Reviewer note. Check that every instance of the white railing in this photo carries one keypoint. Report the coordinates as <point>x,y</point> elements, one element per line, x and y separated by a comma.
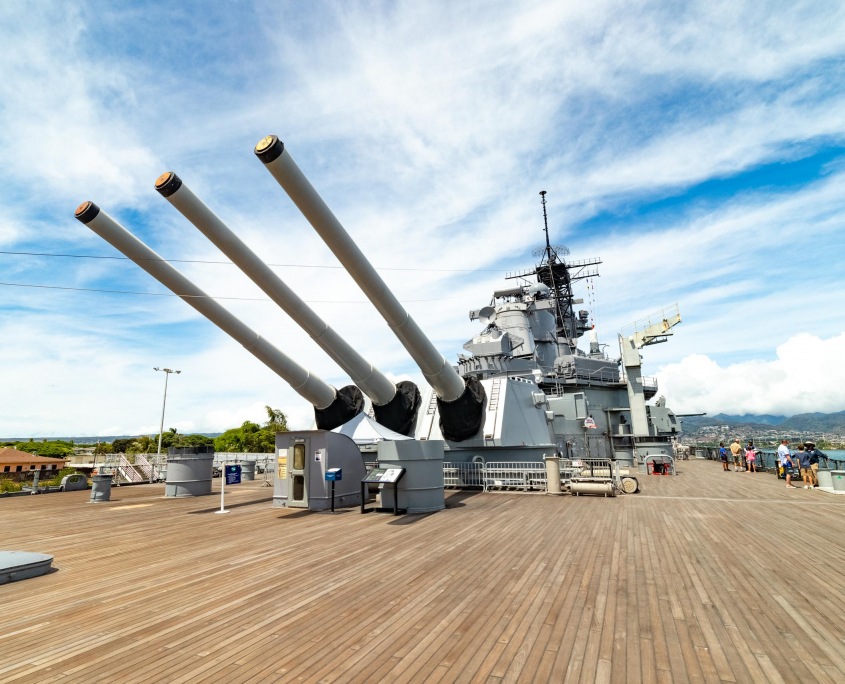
<point>145,466</point>
<point>264,462</point>
<point>126,470</point>
<point>513,475</point>
<point>460,475</point>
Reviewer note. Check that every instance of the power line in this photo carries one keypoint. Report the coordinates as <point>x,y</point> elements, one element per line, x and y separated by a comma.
<point>170,294</point>
<point>229,263</point>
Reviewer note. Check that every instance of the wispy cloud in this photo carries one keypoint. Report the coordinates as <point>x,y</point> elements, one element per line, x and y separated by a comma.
<point>429,129</point>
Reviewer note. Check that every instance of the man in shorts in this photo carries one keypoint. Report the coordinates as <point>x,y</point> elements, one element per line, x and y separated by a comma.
<point>785,459</point>
<point>815,455</point>
<point>736,450</point>
<point>804,462</point>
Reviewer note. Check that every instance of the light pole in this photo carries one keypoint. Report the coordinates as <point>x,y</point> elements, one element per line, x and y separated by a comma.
<point>167,372</point>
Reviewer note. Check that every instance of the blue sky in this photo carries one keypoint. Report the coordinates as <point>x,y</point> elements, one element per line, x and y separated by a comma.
<point>696,148</point>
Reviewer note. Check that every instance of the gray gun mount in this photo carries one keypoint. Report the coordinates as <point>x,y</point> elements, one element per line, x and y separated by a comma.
<point>331,407</point>
<point>395,405</point>
<point>460,401</point>
<point>523,390</point>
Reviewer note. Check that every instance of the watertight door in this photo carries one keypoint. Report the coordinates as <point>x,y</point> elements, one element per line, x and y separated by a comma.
<point>297,475</point>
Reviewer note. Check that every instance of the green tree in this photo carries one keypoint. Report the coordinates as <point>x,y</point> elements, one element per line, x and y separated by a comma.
<point>55,449</point>
<point>251,437</point>
<point>276,420</point>
<point>142,445</point>
<point>192,441</point>
<point>121,446</point>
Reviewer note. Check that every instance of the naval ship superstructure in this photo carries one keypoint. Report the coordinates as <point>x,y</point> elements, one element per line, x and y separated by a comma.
<point>585,404</point>
<point>523,392</point>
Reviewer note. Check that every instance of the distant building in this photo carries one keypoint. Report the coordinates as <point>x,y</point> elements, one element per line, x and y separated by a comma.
<point>18,464</point>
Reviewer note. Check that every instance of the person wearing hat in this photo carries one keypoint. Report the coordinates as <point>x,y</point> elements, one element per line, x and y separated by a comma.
<point>815,455</point>
<point>804,464</point>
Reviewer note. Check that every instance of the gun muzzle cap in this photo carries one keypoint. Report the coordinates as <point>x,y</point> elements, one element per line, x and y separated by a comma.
<point>168,183</point>
<point>269,148</point>
<point>87,212</point>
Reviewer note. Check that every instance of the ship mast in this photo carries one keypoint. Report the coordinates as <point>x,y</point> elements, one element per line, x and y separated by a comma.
<point>558,276</point>
<point>553,272</point>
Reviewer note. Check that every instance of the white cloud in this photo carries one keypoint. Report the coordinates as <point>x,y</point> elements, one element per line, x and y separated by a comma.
<point>806,376</point>
<point>429,129</point>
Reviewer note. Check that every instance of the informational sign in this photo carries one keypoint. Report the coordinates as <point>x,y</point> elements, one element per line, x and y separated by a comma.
<point>589,423</point>
<point>334,474</point>
<point>384,475</point>
<point>392,474</point>
<point>283,466</point>
<point>374,475</point>
<point>233,474</point>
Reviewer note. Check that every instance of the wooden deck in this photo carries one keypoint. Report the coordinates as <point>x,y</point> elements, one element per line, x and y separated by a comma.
<point>704,577</point>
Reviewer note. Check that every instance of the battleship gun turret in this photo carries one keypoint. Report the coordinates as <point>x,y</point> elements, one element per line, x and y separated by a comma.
<point>460,401</point>
<point>395,405</point>
<point>331,407</point>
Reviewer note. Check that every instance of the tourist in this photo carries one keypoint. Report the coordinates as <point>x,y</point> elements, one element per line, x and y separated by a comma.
<point>815,455</point>
<point>804,462</point>
<point>785,459</point>
<point>723,456</point>
<point>736,450</point>
<point>751,456</point>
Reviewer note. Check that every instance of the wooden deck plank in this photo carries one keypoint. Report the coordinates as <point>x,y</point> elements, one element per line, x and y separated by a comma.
<point>703,577</point>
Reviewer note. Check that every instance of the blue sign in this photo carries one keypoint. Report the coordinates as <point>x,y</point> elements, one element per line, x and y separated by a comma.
<point>334,474</point>
<point>233,474</point>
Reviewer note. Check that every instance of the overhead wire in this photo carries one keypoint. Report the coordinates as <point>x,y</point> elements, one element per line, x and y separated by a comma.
<point>223,263</point>
<point>184,296</point>
<point>229,263</point>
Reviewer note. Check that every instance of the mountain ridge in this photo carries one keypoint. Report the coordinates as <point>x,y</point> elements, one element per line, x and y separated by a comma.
<point>802,422</point>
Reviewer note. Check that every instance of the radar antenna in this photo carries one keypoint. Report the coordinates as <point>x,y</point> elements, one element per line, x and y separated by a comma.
<point>552,271</point>
<point>558,275</point>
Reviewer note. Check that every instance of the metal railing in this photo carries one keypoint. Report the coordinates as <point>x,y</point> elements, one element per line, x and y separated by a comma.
<point>145,466</point>
<point>462,475</point>
<point>505,475</point>
<point>127,470</point>
<point>767,460</point>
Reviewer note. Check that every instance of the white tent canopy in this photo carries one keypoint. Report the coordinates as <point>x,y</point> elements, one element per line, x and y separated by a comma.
<point>364,430</point>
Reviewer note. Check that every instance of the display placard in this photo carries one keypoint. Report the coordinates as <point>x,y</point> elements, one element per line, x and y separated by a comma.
<point>384,475</point>
<point>233,474</point>
<point>374,475</point>
<point>392,474</point>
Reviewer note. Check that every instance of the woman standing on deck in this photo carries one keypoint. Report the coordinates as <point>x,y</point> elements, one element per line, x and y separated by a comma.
<point>751,456</point>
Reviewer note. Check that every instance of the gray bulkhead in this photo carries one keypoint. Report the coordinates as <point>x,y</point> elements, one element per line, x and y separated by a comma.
<point>304,457</point>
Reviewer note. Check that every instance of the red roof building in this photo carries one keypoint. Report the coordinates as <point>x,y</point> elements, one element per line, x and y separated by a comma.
<point>17,464</point>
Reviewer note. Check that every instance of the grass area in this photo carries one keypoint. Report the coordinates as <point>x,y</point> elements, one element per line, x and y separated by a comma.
<point>7,484</point>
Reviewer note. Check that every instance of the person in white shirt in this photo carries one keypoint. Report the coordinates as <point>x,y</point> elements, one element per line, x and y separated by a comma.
<point>785,459</point>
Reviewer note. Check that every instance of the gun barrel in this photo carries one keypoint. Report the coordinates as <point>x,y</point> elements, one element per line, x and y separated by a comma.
<point>320,394</point>
<point>371,381</point>
<point>448,385</point>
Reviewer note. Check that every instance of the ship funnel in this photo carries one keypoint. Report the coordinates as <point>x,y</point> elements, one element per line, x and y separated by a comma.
<point>395,407</point>
<point>461,403</point>
<point>331,407</point>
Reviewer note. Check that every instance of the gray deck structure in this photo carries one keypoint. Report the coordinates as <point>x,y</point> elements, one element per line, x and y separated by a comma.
<point>704,577</point>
